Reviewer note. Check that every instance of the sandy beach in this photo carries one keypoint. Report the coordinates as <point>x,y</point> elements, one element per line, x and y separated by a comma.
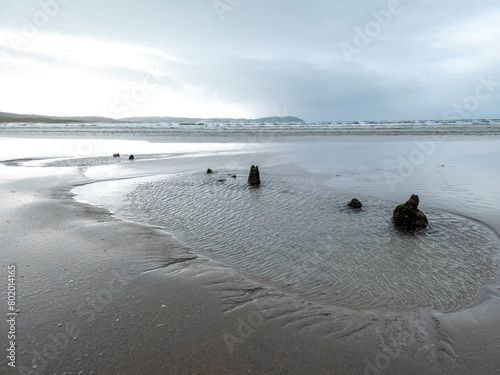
<point>100,295</point>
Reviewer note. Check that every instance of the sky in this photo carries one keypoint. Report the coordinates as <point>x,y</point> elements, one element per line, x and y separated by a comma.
<point>321,61</point>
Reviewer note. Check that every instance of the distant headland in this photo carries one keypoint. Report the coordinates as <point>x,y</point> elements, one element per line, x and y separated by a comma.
<point>14,117</point>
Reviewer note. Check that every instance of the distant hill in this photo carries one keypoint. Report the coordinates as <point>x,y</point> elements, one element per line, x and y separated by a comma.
<point>14,117</point>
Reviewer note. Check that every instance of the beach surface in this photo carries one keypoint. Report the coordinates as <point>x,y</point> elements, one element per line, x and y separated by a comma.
<point>102,294</point>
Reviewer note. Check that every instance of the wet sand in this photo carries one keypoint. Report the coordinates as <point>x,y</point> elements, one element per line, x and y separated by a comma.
<point>103,296</point>
<point>98,295</point>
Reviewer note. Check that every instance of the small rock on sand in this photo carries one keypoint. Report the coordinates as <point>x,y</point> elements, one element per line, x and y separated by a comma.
<point>355,203</point>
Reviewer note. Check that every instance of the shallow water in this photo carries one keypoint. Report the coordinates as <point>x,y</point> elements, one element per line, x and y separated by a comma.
<point>296,233</point>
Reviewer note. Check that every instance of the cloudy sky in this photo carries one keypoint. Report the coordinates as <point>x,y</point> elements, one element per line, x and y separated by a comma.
<point>318,60</point>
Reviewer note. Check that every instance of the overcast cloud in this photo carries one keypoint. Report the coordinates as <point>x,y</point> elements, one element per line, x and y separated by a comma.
<point>321,60</point>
